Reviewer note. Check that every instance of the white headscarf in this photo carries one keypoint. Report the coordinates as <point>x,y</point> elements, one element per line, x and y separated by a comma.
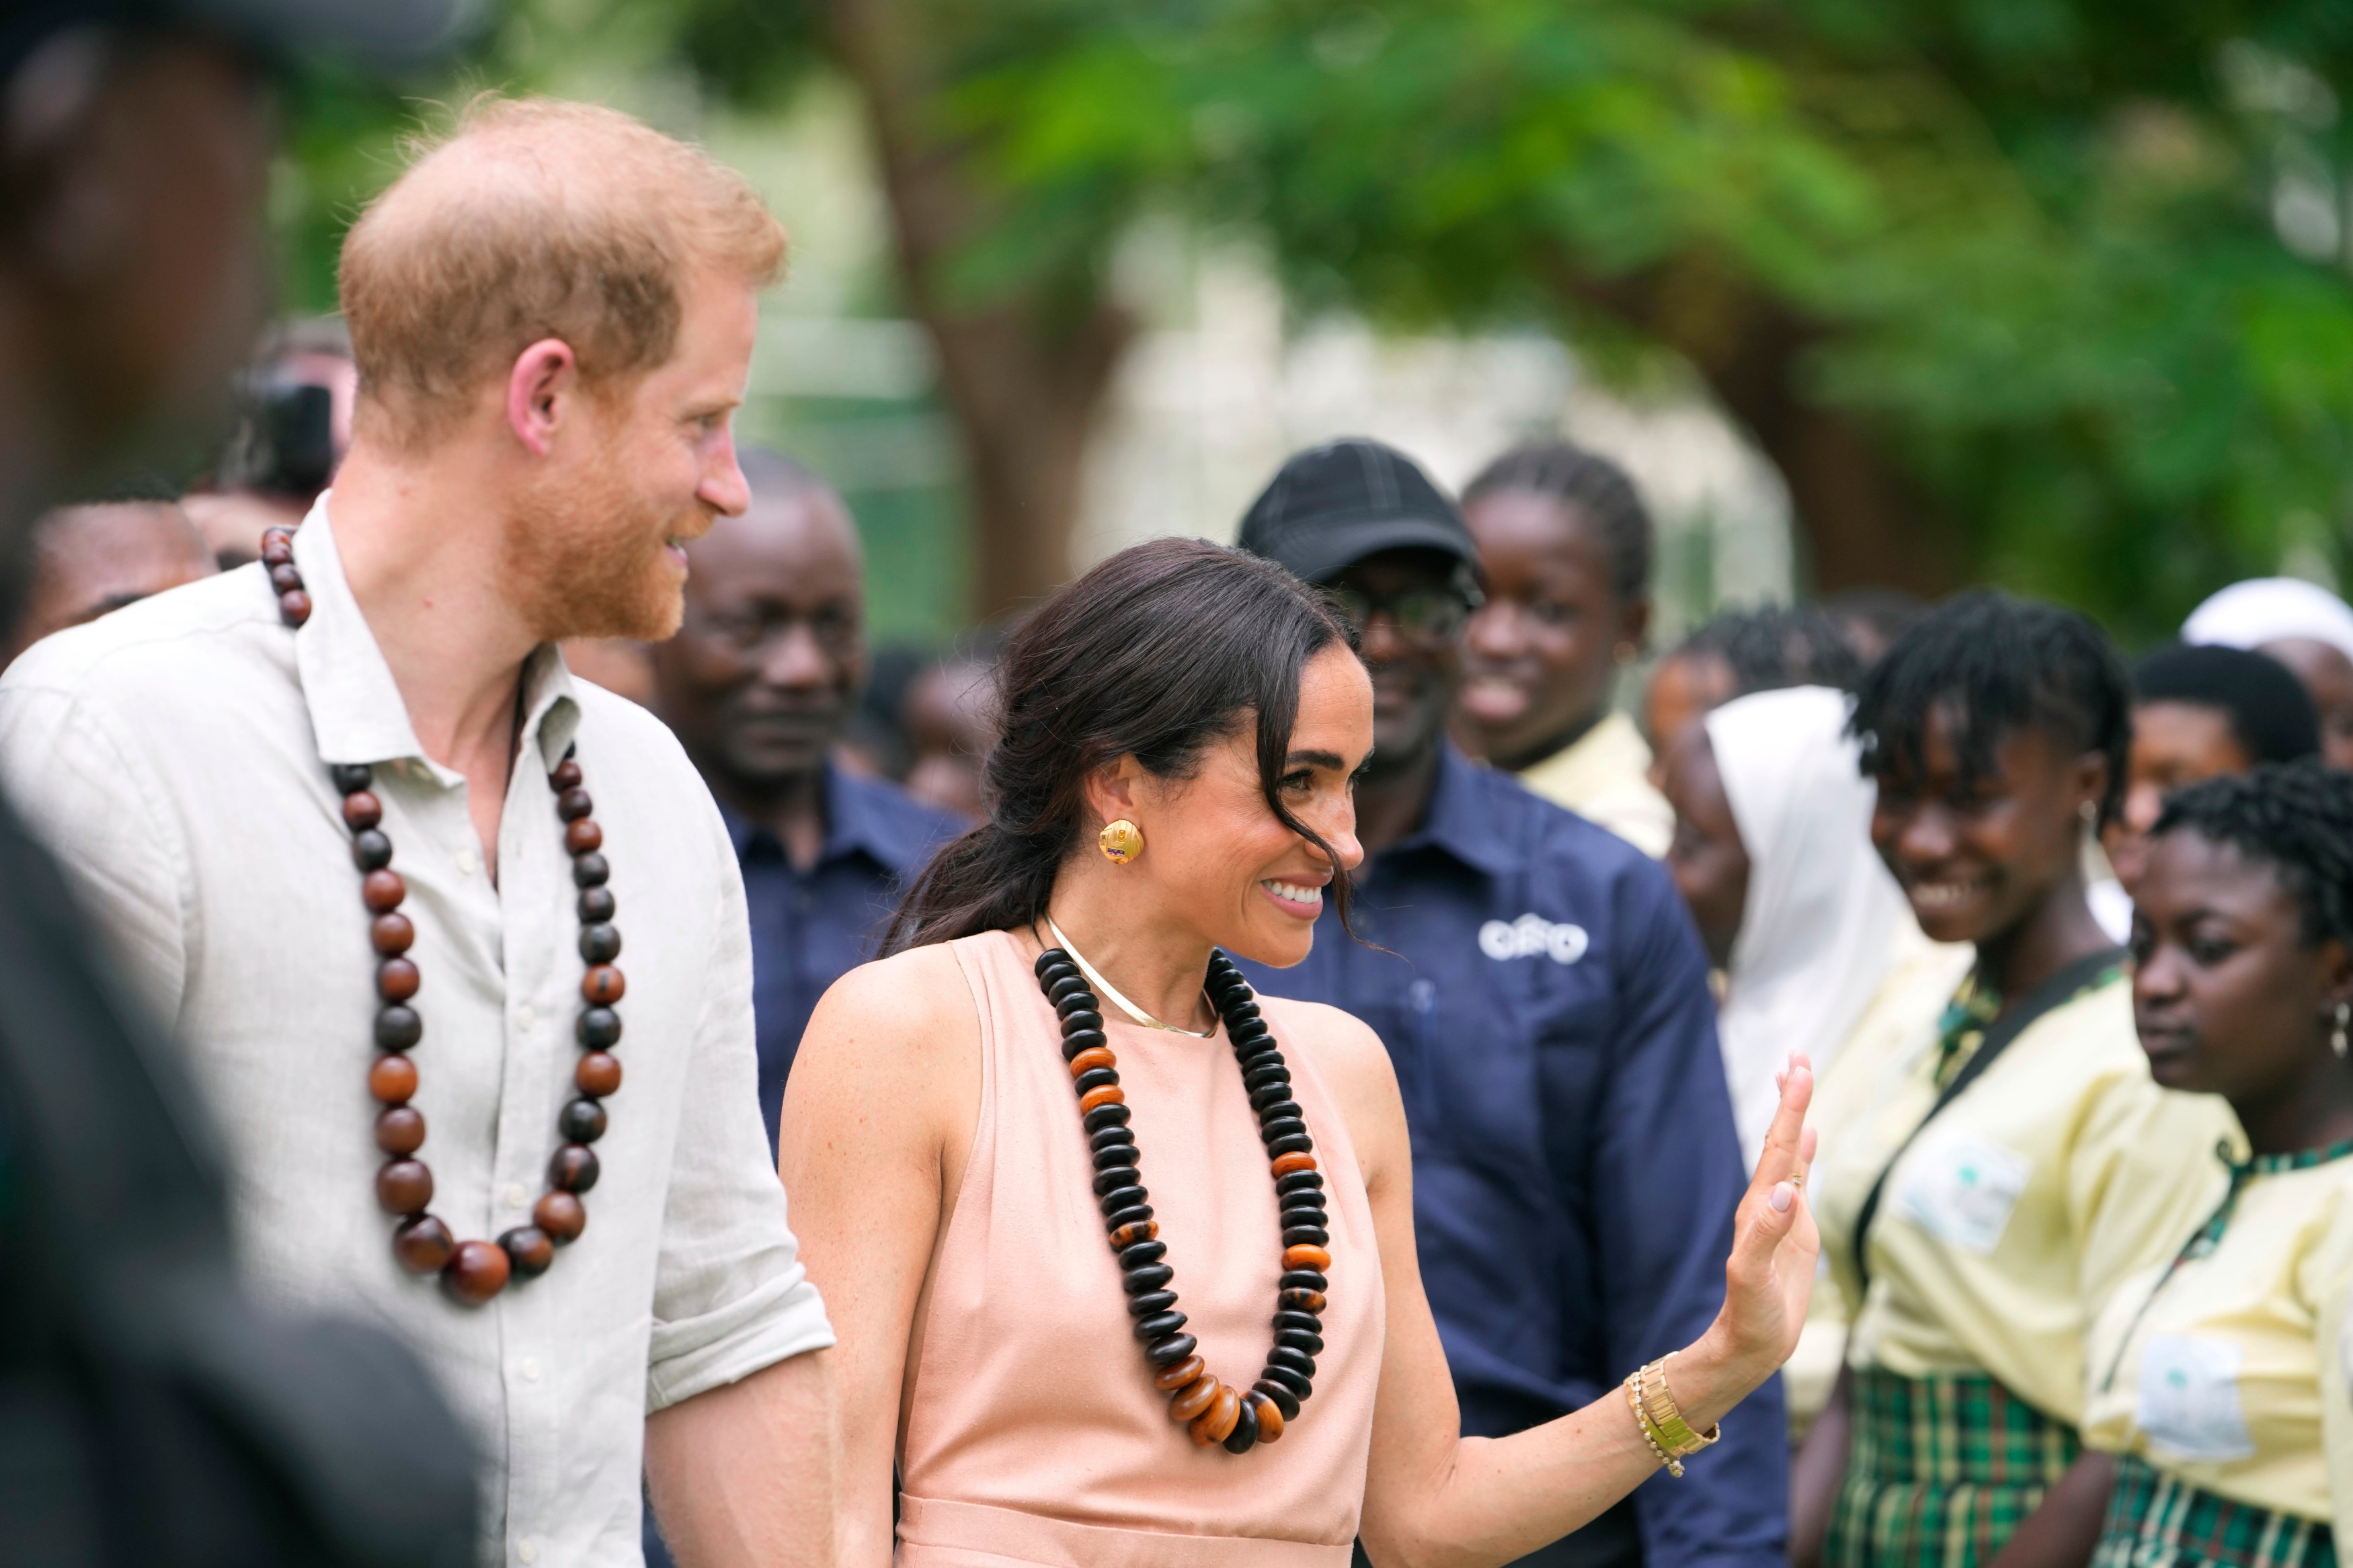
<point>2272,609</point>
<point>1818,931</point>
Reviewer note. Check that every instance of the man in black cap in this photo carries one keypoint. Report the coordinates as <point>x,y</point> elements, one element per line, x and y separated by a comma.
<point>1544,998</point>
<point>149,1414</point>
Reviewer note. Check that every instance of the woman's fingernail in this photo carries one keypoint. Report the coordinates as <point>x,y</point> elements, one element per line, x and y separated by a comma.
<point>1783,1195</point>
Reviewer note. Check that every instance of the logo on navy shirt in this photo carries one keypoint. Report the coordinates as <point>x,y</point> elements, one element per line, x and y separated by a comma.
<point>1533,936</point>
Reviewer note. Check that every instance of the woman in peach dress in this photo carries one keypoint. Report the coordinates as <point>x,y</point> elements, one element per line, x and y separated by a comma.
<point>1120,1257</point>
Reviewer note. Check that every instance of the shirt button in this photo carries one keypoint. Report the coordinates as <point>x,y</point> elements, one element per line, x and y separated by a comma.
<point>526,1017</point>
<point>516,1196</point>
<point>469,862</point>
<point>530,1369</point>
<point>527,1550</point>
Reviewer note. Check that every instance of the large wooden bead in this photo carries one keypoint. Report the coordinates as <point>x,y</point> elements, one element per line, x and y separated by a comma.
<point>294,608</point>
<point>1304,1301</point>
<point>1284,1165</point>
<point>595,904</point>
<point>1269,1414</point>
<point>1303,1280</point>
<point>391,934</point>
<point>397,979</point>
<point>599,1028</point>
<point>573,1169</point>
<point>1158,1326</point>
<point>565,775</point>
<point>1095,1098</point>
<point>362,809</point>
<point>1282,1398</point>
<point>560,1215</point>
<point>1187,1370</point>
<point>400,1129</point>
<point>598,1073</point>
<point>581,1120</point>
<point>276,546</point>
<point>381,891</point>
<point>371,849</point>
<point>1286,1378</point>
<point>1282,1357</point>
<point>530,1249</point>
<point>1129,1234</point>
<point>1150,1302</point>
<point>1304,1256</point>
<point>574,804</point>
<point>1216,1424</point>
<point>604,985</point>
<point>477,1273</point>
<point>397,1028</point>
<point>404,1186</point>
<point>1191,1401</point>
<point>422,1245</point>
<point>284,577</point>
<point>1094,1078</point>
<point>391,1079</point>
<point>1244,1436</point>
<point>1087,1061</point>
<point>600,943</point>
<point>590,870</point>
<point>581,837</point>
<point>349,776</point>
<point>1170,1351</point>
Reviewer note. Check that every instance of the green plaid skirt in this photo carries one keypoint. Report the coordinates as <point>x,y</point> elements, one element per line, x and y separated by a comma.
<point>1940,1471</point>
<point>2157,1521</point>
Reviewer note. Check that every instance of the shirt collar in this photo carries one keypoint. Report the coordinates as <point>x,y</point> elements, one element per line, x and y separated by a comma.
<point>357,714</point>
<point>1461,818</point>
<point>857,821</point>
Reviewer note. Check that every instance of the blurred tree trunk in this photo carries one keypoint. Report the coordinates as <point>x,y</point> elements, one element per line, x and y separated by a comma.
<point>1860,522</point>
<point>1025,369</point>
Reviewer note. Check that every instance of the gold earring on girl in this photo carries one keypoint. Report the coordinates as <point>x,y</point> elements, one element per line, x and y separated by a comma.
<point>1121,841</point>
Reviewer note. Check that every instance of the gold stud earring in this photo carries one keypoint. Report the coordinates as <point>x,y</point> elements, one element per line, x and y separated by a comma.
<point>1121,841</point>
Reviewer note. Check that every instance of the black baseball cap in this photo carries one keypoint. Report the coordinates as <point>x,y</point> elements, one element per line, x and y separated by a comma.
<point>1332,506</point>
<point>381,35</point>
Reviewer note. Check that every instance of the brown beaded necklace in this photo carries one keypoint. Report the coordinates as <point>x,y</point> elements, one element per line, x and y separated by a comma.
<point>1213,1411</point>
<point>472,1271</point>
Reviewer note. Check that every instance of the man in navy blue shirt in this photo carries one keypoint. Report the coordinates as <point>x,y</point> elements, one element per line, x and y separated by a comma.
<point>758,684</point>
<point>1544,1000</point>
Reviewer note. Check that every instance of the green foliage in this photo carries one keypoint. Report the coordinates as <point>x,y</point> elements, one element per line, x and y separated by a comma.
<point>2034,245</point>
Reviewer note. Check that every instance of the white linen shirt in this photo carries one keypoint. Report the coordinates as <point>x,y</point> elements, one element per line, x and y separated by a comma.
<point>175,755</point>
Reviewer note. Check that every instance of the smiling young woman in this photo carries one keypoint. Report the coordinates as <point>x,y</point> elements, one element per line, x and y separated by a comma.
<point>1247,1371</point>
<point>2217,1377</point>
<point>2026,1162</point>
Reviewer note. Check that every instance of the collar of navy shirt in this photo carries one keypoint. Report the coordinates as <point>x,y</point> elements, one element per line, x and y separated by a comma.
<point>1462,819</point>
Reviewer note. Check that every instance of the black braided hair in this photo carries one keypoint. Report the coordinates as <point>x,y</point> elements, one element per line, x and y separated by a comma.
<point>2296,817</point>
<point>1777,646</point>
<point>1592,484</point>
<point>2001,663</point>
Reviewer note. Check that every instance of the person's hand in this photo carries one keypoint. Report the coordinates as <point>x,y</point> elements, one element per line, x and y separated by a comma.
<point>1770,1276</point>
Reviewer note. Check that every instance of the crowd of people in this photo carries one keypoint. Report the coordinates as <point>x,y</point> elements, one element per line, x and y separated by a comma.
<point>1889,1072</point>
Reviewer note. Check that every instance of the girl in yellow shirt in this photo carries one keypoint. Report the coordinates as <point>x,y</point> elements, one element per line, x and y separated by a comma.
<point>2217,1377</point>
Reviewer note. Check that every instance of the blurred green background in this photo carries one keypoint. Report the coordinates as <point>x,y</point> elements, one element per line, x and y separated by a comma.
<point>2055,295</point>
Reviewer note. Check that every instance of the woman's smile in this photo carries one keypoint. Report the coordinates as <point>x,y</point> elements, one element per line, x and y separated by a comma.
<point>1302,900</point>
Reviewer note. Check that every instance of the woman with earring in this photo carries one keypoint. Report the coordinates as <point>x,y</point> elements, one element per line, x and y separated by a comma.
<point>2218,1377</point>
<point>1978,1215</point>
<point>1122,1257</point>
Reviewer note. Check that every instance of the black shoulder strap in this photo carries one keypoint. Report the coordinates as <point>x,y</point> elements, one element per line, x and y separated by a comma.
<point>2060,989</point>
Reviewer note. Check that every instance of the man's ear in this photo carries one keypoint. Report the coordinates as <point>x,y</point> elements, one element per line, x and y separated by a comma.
<point>1113,790</point>
<point>541,387</point>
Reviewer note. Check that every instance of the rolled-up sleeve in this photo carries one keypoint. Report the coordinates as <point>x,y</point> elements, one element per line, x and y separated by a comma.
<point>1667,1183</point>
<point>730,1295</point>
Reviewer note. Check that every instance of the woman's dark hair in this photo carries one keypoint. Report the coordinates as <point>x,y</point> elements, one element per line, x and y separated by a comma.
<point>2270,713</point>
<point>1159,653</point>
<point>2000,663</point>
<point>1590,483</point>
<point>2296,817</point>
<point>1775,646</point>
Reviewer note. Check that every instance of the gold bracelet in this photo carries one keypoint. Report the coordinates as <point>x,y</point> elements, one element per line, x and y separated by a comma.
<point>1675,1435</point>
<point>1642,1422</point>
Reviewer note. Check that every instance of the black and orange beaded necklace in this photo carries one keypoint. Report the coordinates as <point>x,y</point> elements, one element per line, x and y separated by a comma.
<point>1214,1412</point>
<point>472,1271</point>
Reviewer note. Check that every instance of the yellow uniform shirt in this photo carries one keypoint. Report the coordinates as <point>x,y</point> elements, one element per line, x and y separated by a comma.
<point>1879,1064</point>
<point>2226,1368</point>
<point>1605,777</point>
<point>2006,1224</point>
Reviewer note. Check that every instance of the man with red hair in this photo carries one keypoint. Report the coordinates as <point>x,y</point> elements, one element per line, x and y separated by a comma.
<point>369,851</point>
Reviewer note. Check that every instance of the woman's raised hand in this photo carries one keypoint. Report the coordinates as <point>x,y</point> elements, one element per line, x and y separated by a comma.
<point>1770,1275</point>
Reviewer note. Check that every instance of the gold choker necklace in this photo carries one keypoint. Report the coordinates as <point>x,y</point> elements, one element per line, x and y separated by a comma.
<point>1110,993</point>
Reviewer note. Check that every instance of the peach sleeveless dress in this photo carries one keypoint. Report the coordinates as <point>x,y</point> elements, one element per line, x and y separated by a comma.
<point>1033,1435</point>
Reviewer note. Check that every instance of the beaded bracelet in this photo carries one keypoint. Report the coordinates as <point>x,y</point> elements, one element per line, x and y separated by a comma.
<point>1650,1432</point>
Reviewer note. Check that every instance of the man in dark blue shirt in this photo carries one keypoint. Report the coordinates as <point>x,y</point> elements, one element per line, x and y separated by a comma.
<point>758,684</point>
<point>1544,1000</point>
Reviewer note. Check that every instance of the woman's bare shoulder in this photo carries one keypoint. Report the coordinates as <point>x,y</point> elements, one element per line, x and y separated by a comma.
<point>894,1016</point>
<point>1343,1047</point>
